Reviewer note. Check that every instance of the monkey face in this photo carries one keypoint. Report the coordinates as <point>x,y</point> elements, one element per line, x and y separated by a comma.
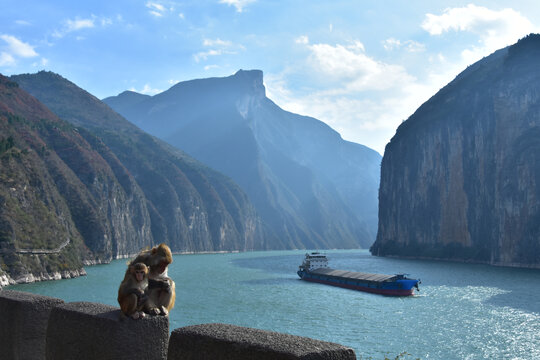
<point>162,266</point>
<point>138,271</point>
<point>139,275</point>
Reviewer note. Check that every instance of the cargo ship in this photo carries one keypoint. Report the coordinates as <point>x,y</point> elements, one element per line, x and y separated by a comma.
<point>315,268</point>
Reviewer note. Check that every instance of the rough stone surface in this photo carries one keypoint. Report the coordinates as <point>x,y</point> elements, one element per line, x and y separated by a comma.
<point>460,180</point>
<point>229,342</point>
<point>23,324</point>
<point>84,330</point>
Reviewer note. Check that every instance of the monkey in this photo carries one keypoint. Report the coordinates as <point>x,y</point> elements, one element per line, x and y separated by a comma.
<point>131,293</point>
<point>161,289</point>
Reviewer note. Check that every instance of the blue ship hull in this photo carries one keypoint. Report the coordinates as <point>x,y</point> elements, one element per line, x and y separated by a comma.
<point>400,286</point>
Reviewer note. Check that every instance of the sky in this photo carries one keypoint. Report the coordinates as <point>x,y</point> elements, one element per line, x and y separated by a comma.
<point>360,66</point>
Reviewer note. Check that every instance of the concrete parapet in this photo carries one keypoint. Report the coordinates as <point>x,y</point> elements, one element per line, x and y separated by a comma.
<point>40,327</point>
<point>23,324</point>
<point>229,342</point>
<point>84,330</point>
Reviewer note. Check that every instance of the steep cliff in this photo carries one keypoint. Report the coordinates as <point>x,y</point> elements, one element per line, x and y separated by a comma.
<point>189,206</point>
<point>460,179</point>
<point>311,188</point>
<point>61,203</point>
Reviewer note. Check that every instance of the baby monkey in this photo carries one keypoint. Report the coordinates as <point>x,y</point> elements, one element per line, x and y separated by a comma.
<point>131,294</point>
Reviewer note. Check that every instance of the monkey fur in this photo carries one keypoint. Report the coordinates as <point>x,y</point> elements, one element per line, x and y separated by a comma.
<point>161,289</point>
<point>132,291</point>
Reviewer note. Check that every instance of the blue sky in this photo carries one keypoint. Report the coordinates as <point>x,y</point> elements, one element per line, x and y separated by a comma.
<point>360,66</point>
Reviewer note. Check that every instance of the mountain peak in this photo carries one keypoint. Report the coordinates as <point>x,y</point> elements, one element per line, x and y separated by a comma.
<point>253,79</point>
<point>256,75</point>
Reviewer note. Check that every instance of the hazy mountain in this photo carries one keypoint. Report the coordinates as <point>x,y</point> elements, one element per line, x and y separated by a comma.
<point>311,188</point>
<point>190,206</point>
<point>461,177</point>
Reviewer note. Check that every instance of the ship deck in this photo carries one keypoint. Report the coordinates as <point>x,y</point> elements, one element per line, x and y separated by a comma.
<point>353,275</point>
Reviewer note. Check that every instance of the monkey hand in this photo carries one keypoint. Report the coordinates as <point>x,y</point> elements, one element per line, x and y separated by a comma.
<point>141,299</point>
<point>159,284</point>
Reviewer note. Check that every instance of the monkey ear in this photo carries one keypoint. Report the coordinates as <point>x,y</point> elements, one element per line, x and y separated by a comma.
<point>154,250</point>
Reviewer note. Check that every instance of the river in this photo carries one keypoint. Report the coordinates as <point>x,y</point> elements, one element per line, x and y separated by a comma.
<point>463,311</point>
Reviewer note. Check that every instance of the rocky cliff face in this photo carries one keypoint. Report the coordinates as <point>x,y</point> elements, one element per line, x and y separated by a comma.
<point>311,188</point>
<point>187,205</point>
<point>56,192</point>
<point>460,180</point>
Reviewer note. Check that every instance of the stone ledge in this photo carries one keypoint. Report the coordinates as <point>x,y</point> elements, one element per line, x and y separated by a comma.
<point>229,342</point>
<point>23,324</point>
<point>85,330</point>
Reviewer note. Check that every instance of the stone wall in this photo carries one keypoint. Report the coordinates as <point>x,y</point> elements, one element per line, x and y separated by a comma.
<point>23,324</point>
<point>229,342</point>
<point>84,330</point>
<point>39,327</point>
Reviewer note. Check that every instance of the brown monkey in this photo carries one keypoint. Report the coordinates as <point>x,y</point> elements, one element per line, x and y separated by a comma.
<point>131,293</point>
<point>161,289</point>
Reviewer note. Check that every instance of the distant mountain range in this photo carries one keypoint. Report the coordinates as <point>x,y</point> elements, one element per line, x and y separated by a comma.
<point>104,185</point>
<point>79,184</point>
<point>460,180</point>
<point>311,188</point>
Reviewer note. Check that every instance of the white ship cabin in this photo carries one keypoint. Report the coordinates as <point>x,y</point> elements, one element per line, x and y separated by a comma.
<point>315,261</point>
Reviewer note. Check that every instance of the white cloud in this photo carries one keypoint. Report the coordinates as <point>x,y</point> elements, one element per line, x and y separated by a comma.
<point>357,116</point>
<point>238,4</point>
<point>470,18</point>
<point>16,47</point>
<point>219,47</point>
<point>409,45</point>
<point>495,28</point>
<point>365,99</point>
<point>204,55</point>
<point>391,44</point>
<point>360,97</point>
<point>78,24</point>
<point>302,40</point>
<point>6,59</point>
<point>43,62</point>
<point>106,21</point>
<point>147,90</point>
<point>349,66</point>
<point>155,6</point>
<point>23,22</point>
<point>12,49</point>
<point>217,42</point>
<point>156,9</point>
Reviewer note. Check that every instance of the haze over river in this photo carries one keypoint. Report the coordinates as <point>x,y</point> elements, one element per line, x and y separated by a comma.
<point>463,311</point>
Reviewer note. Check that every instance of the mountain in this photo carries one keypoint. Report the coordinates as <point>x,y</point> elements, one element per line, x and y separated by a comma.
<point>311,188</point>
<point>460,179</point>
<point>189,206</point>
<point>59,197</point>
